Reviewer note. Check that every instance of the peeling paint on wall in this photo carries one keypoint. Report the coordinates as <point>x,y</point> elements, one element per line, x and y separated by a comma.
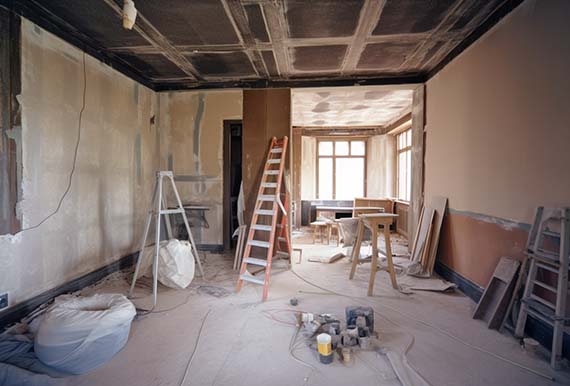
<point>191,130</point>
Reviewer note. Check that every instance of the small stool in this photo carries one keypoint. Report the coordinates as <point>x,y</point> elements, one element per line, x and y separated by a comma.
<point>321,227</point>
<point>333,231</point>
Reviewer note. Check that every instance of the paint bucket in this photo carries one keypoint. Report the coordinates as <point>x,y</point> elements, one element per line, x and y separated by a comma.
<point>324,347</point>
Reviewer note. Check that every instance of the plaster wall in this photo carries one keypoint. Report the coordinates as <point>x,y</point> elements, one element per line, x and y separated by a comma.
<point>308,168</point>
<point>191,143</point>
<point>381,166</point>
<point>102,216</point>
<point>498,130</point>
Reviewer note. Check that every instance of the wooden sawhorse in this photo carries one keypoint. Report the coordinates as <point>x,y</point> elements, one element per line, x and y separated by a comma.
<point>372,221</point>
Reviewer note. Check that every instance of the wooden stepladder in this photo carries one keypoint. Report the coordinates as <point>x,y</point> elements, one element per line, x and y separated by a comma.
<point>267,234</point>
<point>548,256</point>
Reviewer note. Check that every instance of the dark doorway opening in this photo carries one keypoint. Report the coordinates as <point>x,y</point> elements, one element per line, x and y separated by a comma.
<point>232,178</point>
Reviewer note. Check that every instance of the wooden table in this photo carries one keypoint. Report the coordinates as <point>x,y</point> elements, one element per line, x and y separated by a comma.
<point>349,209</point>
<point>372,221</point>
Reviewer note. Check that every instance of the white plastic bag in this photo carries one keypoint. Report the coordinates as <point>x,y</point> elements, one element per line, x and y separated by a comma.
<point>175,263</point>
<point>79,334</point>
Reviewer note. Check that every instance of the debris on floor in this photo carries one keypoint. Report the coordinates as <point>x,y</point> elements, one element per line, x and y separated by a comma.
<point>327,259</point>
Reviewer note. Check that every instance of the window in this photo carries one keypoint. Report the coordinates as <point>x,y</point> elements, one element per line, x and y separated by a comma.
<point>404,146</point>
<point>341,166</point>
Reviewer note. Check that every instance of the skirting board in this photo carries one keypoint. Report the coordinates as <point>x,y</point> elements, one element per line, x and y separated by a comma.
<point>535,328</point>
<point>16,313</point>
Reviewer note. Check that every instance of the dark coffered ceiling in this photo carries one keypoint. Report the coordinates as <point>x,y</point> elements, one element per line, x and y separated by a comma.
<point>180,44</point>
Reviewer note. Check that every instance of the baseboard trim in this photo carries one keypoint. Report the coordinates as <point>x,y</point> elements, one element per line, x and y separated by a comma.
<point>466,286</point>
<point>214,248</point>
<point>16,313</point>
<point>535,328</point>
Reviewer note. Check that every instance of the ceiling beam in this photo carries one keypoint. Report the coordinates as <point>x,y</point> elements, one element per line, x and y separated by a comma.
<point>369,16</point>
<point>159,41</point>
<point>276,24</point>
<point>237,14</point>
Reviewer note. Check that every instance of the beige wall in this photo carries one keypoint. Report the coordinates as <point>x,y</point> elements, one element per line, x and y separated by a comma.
<point>498,129</point>
<point>191,125</point>
<point>381,166</point>
<point>498,117</point>
<point>101,218</point>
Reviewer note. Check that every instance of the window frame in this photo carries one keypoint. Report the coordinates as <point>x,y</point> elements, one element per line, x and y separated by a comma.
<point>334,156</point>
<point>400,150</point>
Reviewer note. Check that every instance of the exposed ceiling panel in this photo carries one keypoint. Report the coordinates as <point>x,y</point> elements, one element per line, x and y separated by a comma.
<point>385,55</point>
<point>233,64</point>
<point>189,22</point>
<point>348,106</point>
<point>396,16</point>
<point>318,58</point>
<point>178,44</point>
<point>322,18</point>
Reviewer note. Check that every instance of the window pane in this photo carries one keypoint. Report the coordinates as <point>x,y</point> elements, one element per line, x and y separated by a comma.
<point>341,148</point>
<point>325,148</point>
<point>349,178</point>
<point>400,141</point>
<point>409,138</point>
<point>402,179</point>
<point>357,148</point>
<point>325,178</point>
<point>408,175</point>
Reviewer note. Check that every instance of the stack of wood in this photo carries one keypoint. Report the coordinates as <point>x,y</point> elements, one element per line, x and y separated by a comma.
<point>424,249</point>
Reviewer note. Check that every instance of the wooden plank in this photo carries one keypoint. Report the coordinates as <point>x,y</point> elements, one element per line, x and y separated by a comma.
<point>439,204</point>
<point>422,235</point>
<point>494,303</point>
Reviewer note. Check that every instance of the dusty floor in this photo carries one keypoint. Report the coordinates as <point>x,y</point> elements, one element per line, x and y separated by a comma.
<point>246,342</point>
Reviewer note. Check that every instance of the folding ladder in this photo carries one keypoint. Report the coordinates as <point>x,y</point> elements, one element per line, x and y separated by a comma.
<point>158,208</point>
<point>263,234</point>
<point>548,254</point>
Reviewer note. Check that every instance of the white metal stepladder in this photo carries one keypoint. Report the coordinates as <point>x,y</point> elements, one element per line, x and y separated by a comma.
<point>158,208</point>
<point>548,253</point>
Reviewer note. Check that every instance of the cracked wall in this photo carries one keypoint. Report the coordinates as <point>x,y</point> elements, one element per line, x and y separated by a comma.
<point>101,218</point>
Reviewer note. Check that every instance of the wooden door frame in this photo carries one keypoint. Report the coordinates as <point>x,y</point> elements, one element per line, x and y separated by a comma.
<point>227,204</point>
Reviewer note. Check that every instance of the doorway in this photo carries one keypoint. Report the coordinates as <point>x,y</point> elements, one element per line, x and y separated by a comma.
<point>232,178</point>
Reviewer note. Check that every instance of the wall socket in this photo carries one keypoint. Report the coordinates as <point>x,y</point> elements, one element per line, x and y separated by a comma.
<point>4,300</point>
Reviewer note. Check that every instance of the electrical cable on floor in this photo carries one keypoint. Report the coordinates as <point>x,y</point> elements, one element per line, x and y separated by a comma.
<point>456,338</point>
<point>195,348</point>
<point>74,165</point>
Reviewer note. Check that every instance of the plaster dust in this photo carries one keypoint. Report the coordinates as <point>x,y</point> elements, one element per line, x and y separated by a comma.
<point>241,345</point>
<point>101,218</point>
<point>191,144</point>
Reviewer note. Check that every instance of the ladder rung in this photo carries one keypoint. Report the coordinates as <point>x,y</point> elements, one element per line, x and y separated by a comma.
<point>545,286</point>
<point>264,212</point>
<point>274,161</point>
<point>171,211</point>
<point>546,266</point>
<point>549,257</point>
<point>259,227</point>
<point>266,197</point>
<point>543,301</point>
<point>269,185</point>
<point>282,254</point>
<point>551,234</point>
<point>257,243</point>
<point>282,239</point>
<point>251,279</point>
<point>256,261</point>
<point>272,172</point>
<point>277,150</point>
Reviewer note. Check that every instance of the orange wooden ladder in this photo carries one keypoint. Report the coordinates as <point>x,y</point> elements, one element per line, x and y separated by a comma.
<point>267,209</point>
